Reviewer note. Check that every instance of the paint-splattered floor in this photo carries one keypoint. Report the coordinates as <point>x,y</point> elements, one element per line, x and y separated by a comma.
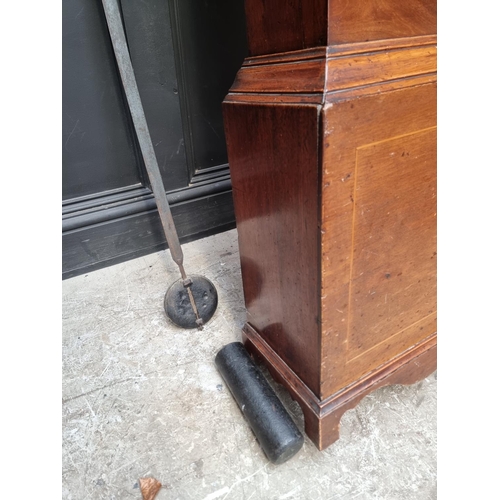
<point>143,398</point>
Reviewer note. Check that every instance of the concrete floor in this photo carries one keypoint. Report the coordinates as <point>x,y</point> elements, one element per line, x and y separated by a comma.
<point>143,398</point>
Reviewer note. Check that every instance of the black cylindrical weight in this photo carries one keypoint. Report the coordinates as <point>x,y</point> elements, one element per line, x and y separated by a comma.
<point>275,430</point>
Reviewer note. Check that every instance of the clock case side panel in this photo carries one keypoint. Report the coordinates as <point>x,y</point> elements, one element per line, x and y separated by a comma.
<point>274,165</point>
<point>378,227</point>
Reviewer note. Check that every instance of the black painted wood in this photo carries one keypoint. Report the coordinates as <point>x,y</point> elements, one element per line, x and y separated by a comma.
<point>185,56</point>
<point>98,146</point>
<point>150,43</point>
<point>211,44</point>
<point>110,242</point>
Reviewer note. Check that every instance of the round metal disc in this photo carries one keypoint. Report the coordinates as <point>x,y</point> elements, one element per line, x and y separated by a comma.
<point>178,306</point>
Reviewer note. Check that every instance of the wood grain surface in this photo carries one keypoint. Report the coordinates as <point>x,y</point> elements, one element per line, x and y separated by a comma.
<point>327,72</point>
<point>362,20</point>
<point>274,170</point>
<point>276,26</point>
<point>322,416</point>
<point>331,133</point>
<point>378,219</point>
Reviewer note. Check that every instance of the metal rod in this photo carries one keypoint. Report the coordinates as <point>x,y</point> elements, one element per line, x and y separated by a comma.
<point>117,33</point>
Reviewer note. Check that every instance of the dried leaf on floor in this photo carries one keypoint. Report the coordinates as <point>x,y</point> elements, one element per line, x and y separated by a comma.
<point>149,487</point>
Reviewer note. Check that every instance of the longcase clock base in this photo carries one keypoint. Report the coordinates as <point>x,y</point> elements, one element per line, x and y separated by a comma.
<point>322,417</point>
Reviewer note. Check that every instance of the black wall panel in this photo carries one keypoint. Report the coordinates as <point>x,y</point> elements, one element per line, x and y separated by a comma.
<point>98,150</point>
<point>211,39</point>
<point>185,55</point>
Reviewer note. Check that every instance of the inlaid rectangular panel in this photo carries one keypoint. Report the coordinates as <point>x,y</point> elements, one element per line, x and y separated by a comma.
<point>378,241</point>
<point>393,265</point>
